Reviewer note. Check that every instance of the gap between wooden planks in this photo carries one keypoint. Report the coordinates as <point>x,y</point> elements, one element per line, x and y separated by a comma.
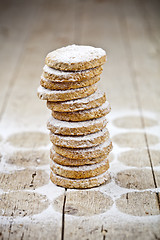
<point>47,31</point>
<point>87,23</point>
<point>93,29</point>
<point>139,64</point>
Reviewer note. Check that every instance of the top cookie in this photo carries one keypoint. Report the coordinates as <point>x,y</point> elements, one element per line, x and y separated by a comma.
<point>76,58</point>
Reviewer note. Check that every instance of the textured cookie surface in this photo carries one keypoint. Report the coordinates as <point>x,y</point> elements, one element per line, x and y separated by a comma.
<point>85,141</point>
<point>85,153</point>
<point>76,58</point>
<point>69,85</point>
<point>83,115</point>
<point>79,172</point>
<point>53,95</point>
<point>79,183</point>
<point>76,128</point>
<point>74,162</point>
<point>62,76</point>
<point>94,100</point>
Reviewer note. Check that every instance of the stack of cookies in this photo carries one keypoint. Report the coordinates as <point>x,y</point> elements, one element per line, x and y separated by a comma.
<point>81,142</point>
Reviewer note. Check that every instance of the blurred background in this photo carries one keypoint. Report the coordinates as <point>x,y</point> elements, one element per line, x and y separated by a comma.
<point>129,31</point>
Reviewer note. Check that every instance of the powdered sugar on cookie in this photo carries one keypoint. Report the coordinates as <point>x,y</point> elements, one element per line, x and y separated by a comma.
<point>96,95</point>
<point>81,141</point>
<point>79,168</point>
<point>80,183</point>
<point>94,100</point>
<point>88,137</point>
<point>63,124</point>
<point>85,153</point>
<point>85,141</point>
<point>76,58</point>
<point>64,95</point>
<point>43,90</point>
<point>76,128</point>
<point>53,71</point>
<point>63,76</point>
<point>76,53</point>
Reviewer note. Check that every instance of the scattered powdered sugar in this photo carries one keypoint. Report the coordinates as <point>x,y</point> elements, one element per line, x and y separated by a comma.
<point>79,168</point>
<point>76,53</point>
<point>51,191</point>
<point>77,139</point>
<point>64,124</point>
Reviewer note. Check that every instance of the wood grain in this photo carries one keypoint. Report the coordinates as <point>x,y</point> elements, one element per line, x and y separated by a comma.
<point>127,207</point>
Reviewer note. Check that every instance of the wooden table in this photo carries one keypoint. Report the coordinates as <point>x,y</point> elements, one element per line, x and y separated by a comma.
<point>128,207</point>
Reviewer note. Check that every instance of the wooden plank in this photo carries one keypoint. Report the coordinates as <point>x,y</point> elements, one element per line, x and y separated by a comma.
<point>151,15</point>
<point>86,214</point>
<point>102,25</point>
<point>45,36</point>
<point>53,27</point>
<point>12,39</point>
<point>88,217</point>
<point>146,67</point>
<point>35,231</point>
<point>147,77</point>
<point>101,28</point>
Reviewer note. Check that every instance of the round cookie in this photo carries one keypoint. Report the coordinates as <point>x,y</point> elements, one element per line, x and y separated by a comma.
<point>75,58</point>
<point>85,141</point>
<point>83,115</point>
<point>53,95</point>
<point>69,85</point>
<point>92,101</point>
<point>76,128</point>
<point>75,162</point>
<point>85,153</point>
<point>61,76</point>
<point>79,183</point>
<point>80,172</point>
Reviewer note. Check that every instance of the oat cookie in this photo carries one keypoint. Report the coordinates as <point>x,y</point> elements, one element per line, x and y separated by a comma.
<point>53,95</point>
<point>85,141</point>
<point>80,172</point>
<point>76,128</point>
<point>69,85</point>
<point>81,141</point>
<point>80,183</point>
<point>83,115</point>
<point>92,101</point>
<point>76,58</point>
<point>84,153</point>
<point>75,162</point>
<point>65,77</point>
